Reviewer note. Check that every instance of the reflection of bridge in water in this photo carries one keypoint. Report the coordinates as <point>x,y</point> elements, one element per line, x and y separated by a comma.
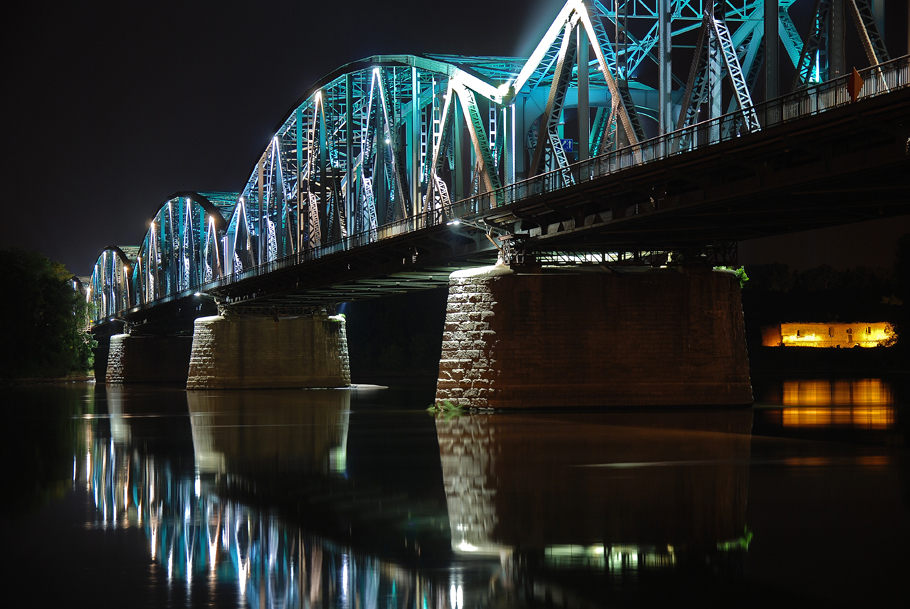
<point>229,521</point>
<point>395,170</point>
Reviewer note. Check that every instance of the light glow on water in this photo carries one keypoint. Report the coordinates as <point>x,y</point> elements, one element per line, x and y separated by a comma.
<point>861,404</point>
<point>505,482</point>
<point>865,392</point>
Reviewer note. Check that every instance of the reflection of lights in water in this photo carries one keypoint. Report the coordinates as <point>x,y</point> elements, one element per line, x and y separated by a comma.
<point>861,461</point>
<point>860,417</point>
<point>153,533</point>
<point>242,573</point>
<point>616,557</point>
<point>864,404</point>
<point>338,458</point>
<point>186,525</point>
<point>865,392</point>
<point>873,461</point>
<point>345,574</point>
<point>456,596</point>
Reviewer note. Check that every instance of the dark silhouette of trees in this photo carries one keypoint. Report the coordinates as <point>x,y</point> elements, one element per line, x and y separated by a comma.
<point>45,333</point>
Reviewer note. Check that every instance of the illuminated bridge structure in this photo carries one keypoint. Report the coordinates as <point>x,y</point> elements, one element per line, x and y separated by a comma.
<point>631,135</point>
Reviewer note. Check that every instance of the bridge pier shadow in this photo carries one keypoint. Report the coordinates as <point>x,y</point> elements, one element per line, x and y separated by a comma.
<point>637,337</point>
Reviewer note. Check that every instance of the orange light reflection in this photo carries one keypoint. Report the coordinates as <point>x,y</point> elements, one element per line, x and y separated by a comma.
<point>864,404</point>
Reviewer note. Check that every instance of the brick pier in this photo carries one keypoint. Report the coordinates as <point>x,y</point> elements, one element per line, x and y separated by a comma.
<point>655,337</point>
<point>237,352</point>
<point>147,359</point>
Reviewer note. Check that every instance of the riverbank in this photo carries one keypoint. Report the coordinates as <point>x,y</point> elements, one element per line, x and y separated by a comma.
<point>46,380</point>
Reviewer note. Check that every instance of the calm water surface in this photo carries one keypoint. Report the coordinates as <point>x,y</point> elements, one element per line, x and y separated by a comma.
<point>157,497</point>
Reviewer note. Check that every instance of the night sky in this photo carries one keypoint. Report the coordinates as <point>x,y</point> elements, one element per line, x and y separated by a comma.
<point>113,106</point>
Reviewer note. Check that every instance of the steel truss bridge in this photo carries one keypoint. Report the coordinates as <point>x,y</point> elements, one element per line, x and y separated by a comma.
<point>394,170</point>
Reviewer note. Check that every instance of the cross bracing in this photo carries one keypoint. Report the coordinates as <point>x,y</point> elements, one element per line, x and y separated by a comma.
<point>399,143</point>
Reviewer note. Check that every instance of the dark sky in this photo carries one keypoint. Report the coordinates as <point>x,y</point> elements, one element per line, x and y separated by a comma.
<point>112,106</point>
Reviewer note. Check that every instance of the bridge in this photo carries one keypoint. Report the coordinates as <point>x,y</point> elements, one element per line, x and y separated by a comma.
<point>396,170</point>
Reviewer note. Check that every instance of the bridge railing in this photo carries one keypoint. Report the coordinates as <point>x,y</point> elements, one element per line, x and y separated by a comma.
<point>877,80</point>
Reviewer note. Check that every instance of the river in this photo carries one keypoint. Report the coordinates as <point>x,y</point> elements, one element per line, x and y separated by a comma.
<point>140,496</point>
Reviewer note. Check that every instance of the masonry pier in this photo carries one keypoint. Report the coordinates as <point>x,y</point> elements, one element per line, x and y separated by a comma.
<point>630,337</point>
<point>138,358</point>
<point>268,352</point>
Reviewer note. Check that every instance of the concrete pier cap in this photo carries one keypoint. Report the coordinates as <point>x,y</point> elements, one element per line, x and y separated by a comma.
<point>567,339</point>
<point>268,352</point>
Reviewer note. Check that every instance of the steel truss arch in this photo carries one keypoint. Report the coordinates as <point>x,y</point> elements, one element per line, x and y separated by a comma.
<point>183,247</point>
<point>395,143</point>
<point>108,290</point>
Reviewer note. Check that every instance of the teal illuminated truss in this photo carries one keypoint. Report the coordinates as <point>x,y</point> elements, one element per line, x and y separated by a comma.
<point>390,143</point>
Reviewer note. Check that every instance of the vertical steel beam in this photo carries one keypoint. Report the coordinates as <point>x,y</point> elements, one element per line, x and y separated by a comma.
<point>511,148</point>
<point>772,78</point>
<point>622,16</point>
<point>301,218</point>
<point>665,87</point>
<point>260,225</point>
<point>414,142</point>
<point>878,9</point>
<point>350,191</point>
<point>584,112</point>
<point>520,132</point>
<point>837,63</point>
<point>458,190</point>
<point>715,79</point>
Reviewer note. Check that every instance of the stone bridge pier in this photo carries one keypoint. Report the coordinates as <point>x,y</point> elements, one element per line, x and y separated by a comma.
<point>634,337</point>
<point>232,351</point>
<point>142,358</point>
<point>269,352</point>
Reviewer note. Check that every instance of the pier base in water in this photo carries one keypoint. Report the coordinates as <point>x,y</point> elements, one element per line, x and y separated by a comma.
<point>148,359</point>
<point>238,352</point>
<point>570,339</point>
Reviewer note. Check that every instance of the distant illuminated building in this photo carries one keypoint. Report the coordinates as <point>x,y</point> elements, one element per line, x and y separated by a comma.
<point>830,335</point>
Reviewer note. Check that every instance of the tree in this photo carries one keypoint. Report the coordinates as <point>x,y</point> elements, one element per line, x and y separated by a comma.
<point>45,333</point>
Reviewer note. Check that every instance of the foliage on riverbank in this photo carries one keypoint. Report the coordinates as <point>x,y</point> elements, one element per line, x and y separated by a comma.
<point>45,333</point>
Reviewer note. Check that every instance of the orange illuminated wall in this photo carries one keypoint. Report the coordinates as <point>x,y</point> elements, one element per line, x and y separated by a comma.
<point>858,334</point>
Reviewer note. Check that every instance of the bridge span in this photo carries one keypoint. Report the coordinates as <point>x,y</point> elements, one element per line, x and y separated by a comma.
<point>395,171</point>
